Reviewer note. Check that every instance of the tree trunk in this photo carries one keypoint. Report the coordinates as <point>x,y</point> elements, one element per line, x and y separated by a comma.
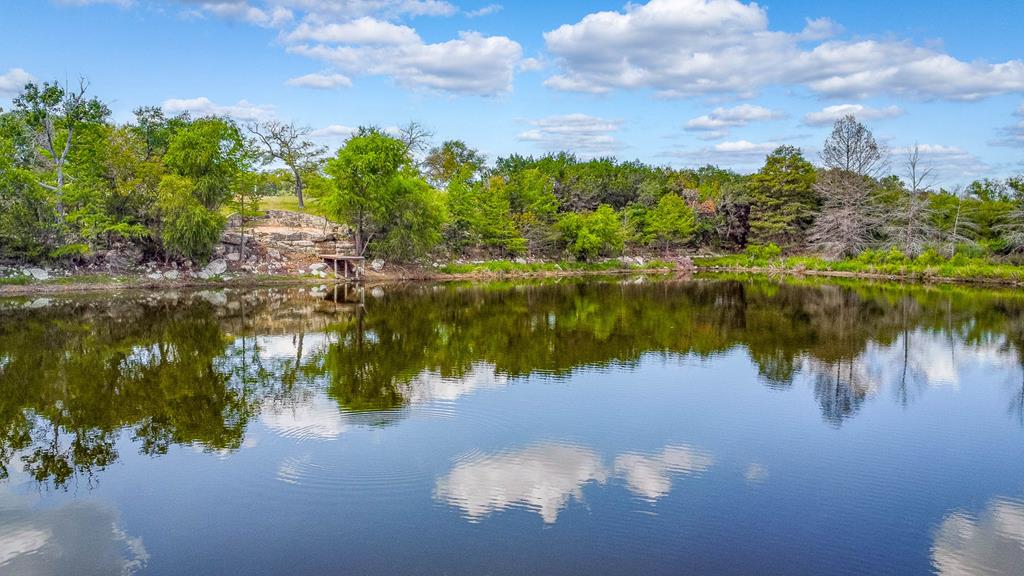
<point>60,193</point>
<point>298,187</point>
<point>358,237</point>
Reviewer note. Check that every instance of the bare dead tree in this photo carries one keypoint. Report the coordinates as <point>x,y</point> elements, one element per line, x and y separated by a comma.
<point>963,228</point>
<point>852,147</point>
<point>909,226</point>
<point>849,216</point>
<point>288,143</point>
<point>1012,229</point>
<point>415,136</point>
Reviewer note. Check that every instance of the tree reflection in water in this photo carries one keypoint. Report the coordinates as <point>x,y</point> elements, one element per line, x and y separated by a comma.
<point>197,368</point>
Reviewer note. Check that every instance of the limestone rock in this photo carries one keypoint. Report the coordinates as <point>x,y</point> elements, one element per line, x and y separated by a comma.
<point>214,268</point>
<point>37,273</point>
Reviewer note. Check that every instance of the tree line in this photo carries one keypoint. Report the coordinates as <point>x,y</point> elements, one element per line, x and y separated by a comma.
<point>74,183</point>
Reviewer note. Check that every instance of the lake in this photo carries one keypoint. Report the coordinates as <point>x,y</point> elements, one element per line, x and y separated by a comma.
<point>601,426</point>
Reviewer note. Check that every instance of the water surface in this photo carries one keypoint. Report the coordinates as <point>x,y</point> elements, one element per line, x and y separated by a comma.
<point>575,427</point>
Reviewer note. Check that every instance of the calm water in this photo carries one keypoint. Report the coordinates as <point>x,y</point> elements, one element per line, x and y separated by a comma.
<point>597,427</point>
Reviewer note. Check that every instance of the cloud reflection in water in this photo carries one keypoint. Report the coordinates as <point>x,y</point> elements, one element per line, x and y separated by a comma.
<point>545,477</point>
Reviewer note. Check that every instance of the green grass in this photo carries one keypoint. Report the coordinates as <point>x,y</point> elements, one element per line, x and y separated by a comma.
<point>291,203</point>
<point>84,279</point>
<point>499,267</point>
<point>15,281</point>
<point>288,203</point>
<point>959,267</point>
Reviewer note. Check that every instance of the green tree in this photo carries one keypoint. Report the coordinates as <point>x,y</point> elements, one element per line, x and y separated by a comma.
<point>452,160</point>
<point>364,171</point>
<point>672,221</point>
<point>187,228</point>
<point>592,234</point>
<point>26,212</point>
<point>461,196</point>
<point>55,113</point>
<point>289,143</point>
<point>416,218</point>
<point>782,198</point>
<point>212,153</point>
<point>494,224</point>
<point>377,192</point>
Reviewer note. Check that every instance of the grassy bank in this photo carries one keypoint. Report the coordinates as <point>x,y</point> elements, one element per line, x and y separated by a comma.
<point>509,267</point>
<point>927,267</point>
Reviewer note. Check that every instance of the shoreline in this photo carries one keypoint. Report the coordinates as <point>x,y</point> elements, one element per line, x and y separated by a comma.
<point>69,285</point>
<point>911,278</point>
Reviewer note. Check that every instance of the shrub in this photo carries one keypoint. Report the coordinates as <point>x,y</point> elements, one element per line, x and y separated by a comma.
<point>930,257</point>
<point>892,256</point>
<point>187,229</point>
<point>70,251</point>
<point>597,233</point>
<point>763,252</point>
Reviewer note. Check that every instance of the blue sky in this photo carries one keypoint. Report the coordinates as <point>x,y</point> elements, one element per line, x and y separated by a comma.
<point>678,82</point>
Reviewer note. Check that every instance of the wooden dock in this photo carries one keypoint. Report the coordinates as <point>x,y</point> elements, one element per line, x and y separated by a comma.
<point>350,266</point>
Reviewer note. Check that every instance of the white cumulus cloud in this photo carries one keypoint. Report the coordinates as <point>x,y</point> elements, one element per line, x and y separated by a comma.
<point>321,81</point>
<point>705,47</point>
<point>202,106</point>
<point>12,81</point>
<point>580,133</point>
<point>830,114</point>
<point>470,64</point>
<point>362,38</point>
<point>717,123</point>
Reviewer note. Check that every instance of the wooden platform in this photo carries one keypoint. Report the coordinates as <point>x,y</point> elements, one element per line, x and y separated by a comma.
<point>351,266</point>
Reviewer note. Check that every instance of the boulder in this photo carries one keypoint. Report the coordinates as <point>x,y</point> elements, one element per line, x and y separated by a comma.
<point>233,257</point>
<point>215,268</point>
<point>377,265</point>
<point>36,273</point>
<point>155,276</point>
<point>235,239</point>
<point>321,267</point>
<point>290,236</point>
<point>122,259</point>
<point>172,275</point>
